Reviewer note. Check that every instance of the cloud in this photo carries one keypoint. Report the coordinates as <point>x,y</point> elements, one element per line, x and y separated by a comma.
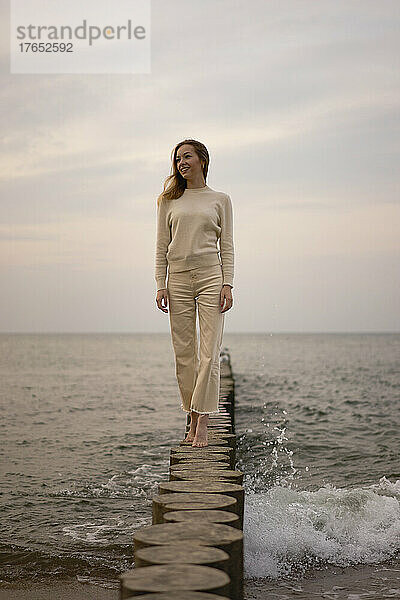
<point>297,102</point>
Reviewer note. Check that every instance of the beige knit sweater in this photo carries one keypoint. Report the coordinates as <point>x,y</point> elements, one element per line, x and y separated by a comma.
<point>188,231</point>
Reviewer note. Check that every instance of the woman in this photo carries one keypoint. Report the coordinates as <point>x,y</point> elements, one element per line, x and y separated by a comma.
<point>191,218</point>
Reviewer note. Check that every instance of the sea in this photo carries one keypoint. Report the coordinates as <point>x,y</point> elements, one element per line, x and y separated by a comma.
<point>88,420</point>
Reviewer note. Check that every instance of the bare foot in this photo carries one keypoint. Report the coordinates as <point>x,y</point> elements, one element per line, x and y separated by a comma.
<point>193,423</point>
<point>200,439</point>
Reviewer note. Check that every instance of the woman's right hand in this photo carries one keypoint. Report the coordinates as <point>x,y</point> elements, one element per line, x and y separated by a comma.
<point>162,300</point>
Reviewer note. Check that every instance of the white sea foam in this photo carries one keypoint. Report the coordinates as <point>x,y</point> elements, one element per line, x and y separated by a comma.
<point>99,533</point>
<point>287,531</point>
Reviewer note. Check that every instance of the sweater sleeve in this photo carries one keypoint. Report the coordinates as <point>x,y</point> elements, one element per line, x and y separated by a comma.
<point>162,243</point>
<point>226,242</point>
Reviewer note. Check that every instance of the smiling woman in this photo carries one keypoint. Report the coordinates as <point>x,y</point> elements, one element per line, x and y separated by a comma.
<point>191,219</point>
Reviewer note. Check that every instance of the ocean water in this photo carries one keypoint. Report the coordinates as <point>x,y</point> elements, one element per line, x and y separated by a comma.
<point>87,422</point>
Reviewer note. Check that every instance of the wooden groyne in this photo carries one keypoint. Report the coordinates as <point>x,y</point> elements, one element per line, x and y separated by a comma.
<point>194,548</point>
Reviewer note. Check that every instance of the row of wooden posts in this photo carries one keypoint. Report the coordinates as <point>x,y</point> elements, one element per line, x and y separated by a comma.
<point>194,548</point>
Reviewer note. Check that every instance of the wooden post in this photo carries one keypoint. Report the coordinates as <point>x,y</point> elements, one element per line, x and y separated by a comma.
<point>209,487</point>
<point>164,503</point>
<point>182,554</point>
<point>194,548</point>
<point>209,516</point>
<point>170,578</point>
<point>206,473</point>
<point>220,536</point>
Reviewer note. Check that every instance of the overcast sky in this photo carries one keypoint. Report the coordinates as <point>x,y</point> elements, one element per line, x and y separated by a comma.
<point>298,104</point>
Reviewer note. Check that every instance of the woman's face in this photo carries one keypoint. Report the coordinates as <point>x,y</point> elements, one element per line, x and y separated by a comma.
<point>187,162</point>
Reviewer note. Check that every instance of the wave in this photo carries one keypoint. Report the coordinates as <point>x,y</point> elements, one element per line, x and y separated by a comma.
<point>287,531</point>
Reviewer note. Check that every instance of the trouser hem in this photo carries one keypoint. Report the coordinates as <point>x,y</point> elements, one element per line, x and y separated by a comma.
<point>207,412</point>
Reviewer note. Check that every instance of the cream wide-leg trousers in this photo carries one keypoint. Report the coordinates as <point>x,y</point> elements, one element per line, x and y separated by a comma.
<point>197,366</point>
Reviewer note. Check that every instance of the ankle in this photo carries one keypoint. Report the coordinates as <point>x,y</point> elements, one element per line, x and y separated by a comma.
<point>193,422</point>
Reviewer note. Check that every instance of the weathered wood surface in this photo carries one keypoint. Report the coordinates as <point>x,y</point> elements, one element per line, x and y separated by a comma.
<point>210,487</point>
<point>210,516</point>
<point>164,503</point>
<point>171,578</point>
<point>185,595</point>
<point>207,473</point>
<point>207,556</point>
<point>220,536</point>
<point>196,536</point>
<point>190,464</point>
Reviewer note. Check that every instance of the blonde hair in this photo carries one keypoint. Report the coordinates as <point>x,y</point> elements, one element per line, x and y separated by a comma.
<point>175,184</point>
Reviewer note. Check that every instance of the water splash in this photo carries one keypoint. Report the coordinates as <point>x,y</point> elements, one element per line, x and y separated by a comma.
<point>265,456</point>
<point>288,531</point>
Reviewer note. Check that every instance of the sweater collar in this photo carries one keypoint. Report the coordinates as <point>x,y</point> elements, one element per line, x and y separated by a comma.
<point>196,190</point>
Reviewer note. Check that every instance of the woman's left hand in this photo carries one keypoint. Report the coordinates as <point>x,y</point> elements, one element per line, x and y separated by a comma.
<point>226,298</point>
